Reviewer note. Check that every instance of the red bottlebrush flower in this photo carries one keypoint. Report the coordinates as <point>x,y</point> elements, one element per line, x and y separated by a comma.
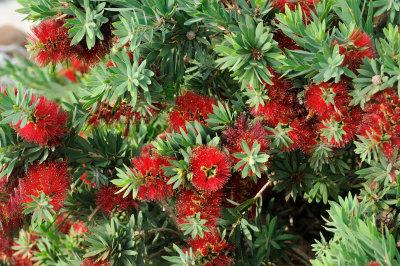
<point>285,42</point>
<point>153,181</point>
<point>373,263</point>
<point>190,202</point>
<point>211,250</point>
<point>110,113</point>
<point>306,5</point>
<point>80,227</point>
<point>64,224</point>
<point>322,99</point>
<point>47,125</point>
<point>381,121</point>
<point>92,56</point>
<point>358,46</point>
<point>11,217</point>
<point>76,66</point>
<point>107,200</point>
<point>24,259</point>
<point>6,252</point>
<point>51,178</point>
<point>210,167</point>
<point>302,134</point>
<point>69,74</point>
<point>348,123</point>
<point>280,107</point>
<point>242,130</point>
<point>50,42</point>
<point>190,107</point>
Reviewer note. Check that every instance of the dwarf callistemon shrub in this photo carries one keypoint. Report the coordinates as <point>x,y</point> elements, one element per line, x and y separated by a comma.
<point>202,132</point>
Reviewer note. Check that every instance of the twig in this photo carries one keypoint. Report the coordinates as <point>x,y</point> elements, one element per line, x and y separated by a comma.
<point>141,234</point>
<point>156,254</point>
<point>259,193</point>
<point>170,213</point>
<point>302,256</point>
<point>93,213</point>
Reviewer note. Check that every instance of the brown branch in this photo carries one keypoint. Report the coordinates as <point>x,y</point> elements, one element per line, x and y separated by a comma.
<point>300,255</point>
<point>141,234</point>
<point>154,255</point>
<point>259,193</point>
<point>93,213</point>
<point>170,213</point>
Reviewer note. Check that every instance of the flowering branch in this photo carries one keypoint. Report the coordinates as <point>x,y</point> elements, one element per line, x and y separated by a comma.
<point>141,234</point>
<point>170,213</point>
<point>259,193</point>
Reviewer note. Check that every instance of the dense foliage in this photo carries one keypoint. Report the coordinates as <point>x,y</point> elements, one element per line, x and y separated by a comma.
<point>203,132</point>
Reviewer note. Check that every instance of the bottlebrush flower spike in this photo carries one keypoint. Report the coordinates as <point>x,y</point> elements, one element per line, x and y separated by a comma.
<point>151,178</point>
<point>190,107</point>
<point>322,99</point>
<point>210,167</point>
<point>211,250</point>
<point>341,129</point>
<point>46,126</point>
<point>49,42</point>
<point>6,251</point>
<point>108,200</point>
<point>381,121</point>
<point>281,102</point>
<point>92,56</point>
<point>190,202</point>
<point>302,134</point>
<point>76,67</point>
<point>358,46</point>
<point>243,131</point>
<point>285,42</point>
<point>306,5</point>
<point>51,178</point>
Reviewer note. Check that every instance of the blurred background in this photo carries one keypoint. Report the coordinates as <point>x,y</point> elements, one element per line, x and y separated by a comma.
<point>13,28</point>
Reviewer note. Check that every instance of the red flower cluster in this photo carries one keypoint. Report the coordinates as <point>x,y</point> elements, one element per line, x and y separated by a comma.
<point>211,250</point>
<point>242,130</point>
<point>190,202</point>
<point>11,217</point>
<point>210,167</point>
<point>47,124</point>
<point>64,225</point>
<point>110,113</point>
<point>51,178</point>
<point>358,46</point>
<point>51,44</point>
<point>114,113</point>
<point>7,253</point>
<point>330,102</point>
<point>279,107</point>
<point>306,5</point>
<point>108,200</point>
<point>382,121</point>
<point>283,108</point>
<point>153,181</point>
<point>190,107</point>
<point>75,67</point>
<point>285,42</point>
